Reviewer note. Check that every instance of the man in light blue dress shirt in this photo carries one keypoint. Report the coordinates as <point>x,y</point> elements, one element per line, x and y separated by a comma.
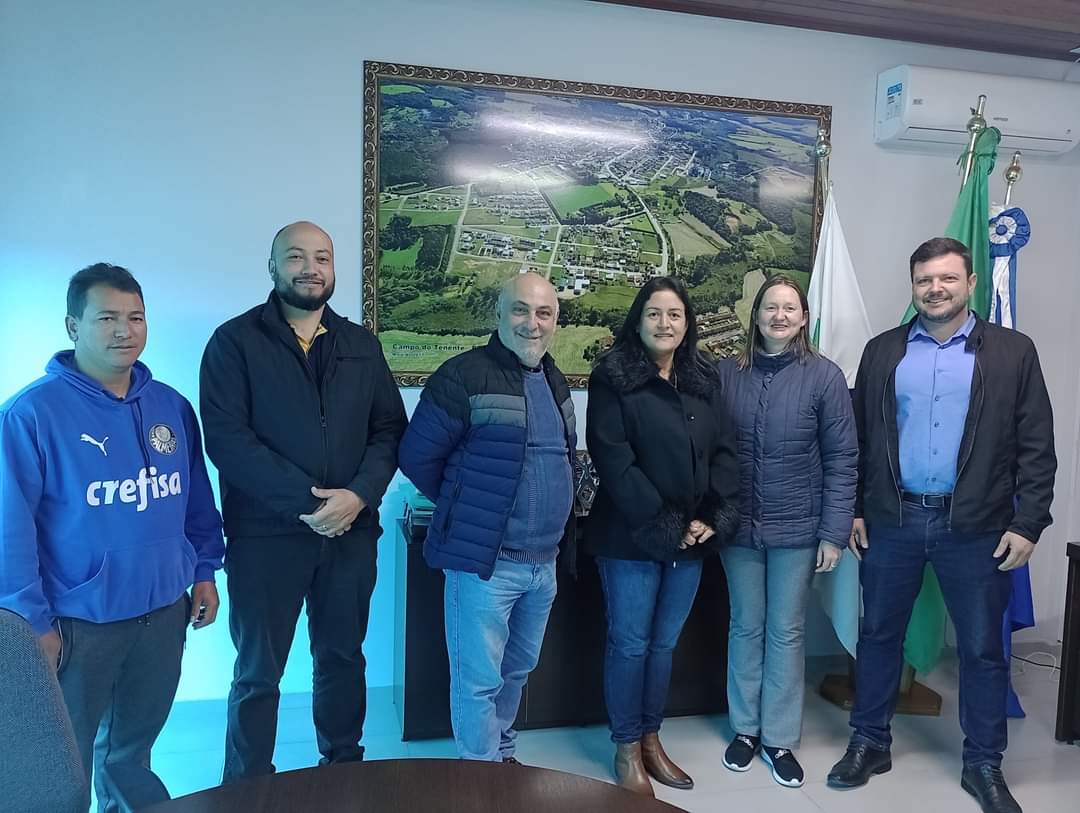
<point>956,469</point>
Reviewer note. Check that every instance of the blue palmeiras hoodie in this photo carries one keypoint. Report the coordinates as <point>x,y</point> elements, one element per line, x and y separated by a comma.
<point>106,510</point>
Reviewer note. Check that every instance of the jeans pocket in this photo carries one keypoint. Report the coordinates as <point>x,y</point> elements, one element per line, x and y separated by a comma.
<point>64,630</point>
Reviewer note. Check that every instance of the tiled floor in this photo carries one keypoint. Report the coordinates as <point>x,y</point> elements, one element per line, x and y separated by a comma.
<point>1044,774</point>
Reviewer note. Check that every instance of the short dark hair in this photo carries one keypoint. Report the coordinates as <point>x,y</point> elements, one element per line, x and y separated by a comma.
<point>939,247</point>
<point>98,274</point>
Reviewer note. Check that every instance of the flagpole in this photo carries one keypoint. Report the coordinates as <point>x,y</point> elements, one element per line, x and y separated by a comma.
<point>976,124</point>
<point>839,689</point>
<point>823,149</point>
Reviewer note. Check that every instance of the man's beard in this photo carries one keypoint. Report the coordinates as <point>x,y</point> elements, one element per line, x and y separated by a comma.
<point>958,306</point>
<point>528,353</point>
<point>531,357</point>
<point>306,302</point>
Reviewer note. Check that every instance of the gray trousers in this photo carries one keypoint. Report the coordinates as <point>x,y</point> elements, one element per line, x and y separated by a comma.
<point>119,680</point>
<point>769,591</point>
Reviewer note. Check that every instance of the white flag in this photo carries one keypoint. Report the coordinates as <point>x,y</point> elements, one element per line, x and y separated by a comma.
<point>840,330</point>
<point>838,323</point>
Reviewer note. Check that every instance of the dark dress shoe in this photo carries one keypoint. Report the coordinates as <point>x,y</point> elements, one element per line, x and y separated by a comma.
<point>987,784</point>
<point>659,764</point>
<point>858,765</point>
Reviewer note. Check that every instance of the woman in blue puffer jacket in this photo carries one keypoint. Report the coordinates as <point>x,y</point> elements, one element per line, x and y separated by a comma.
<point>798,456</point>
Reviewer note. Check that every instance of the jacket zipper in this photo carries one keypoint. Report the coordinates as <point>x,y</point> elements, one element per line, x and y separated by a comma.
<point>759,453</point>
<point>321,389</point>
<point>305,363</point>
<point>524,456</point>
<point>888,450</point>
<point>971,446</point>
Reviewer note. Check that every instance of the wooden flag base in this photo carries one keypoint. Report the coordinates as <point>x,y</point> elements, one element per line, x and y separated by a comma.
<point>914,697</point>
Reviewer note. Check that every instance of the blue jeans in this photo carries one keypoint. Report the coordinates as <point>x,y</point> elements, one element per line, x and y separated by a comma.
<point>976,595</point>
<point>494,630</point>
<point>647,605</point>
<point>768,591</point>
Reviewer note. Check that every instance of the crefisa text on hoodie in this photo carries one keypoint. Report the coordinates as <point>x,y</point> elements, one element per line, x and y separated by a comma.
<point>148,484</point>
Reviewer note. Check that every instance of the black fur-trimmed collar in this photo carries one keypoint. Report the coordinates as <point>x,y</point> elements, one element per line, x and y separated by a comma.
<point>630,370</point>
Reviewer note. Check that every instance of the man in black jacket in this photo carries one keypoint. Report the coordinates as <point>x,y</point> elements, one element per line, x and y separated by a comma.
<point>302,419</point>
<point>956,468</point>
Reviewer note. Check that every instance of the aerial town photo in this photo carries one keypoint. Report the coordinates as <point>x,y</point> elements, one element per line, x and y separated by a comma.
<point>598,195</point>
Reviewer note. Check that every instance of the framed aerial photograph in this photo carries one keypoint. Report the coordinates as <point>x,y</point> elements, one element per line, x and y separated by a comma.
<point>471,177</point>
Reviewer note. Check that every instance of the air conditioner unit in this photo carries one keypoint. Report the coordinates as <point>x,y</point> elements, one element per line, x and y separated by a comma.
<point>917,105</point>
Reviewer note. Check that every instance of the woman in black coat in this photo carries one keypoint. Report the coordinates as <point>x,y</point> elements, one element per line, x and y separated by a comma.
<point>668,477</point>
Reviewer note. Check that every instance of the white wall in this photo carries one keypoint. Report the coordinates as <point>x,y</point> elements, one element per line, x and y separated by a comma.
<point>176,138</point>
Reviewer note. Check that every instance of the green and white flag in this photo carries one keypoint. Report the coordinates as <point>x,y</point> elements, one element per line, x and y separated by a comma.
<point>840,329</point>
<point>925,637</point>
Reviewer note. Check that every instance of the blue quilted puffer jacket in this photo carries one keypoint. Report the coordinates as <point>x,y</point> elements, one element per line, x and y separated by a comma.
<point>798,450</point>
<point>465,451</point>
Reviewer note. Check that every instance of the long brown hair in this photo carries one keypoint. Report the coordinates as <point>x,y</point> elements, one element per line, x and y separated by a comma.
<point>801,344</point>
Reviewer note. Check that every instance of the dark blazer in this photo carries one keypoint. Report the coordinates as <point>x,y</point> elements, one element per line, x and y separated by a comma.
<point>274,432</point>
<point>1006,463</point>
<point>664,456</point>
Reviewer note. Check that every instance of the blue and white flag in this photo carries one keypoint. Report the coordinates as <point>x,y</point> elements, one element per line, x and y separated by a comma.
<point>1009,232</point>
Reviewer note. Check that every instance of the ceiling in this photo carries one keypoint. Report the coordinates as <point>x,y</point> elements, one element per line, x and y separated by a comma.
<point>1039,28</point>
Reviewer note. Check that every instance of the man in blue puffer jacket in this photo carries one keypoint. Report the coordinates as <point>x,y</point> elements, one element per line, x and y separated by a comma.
<point>491,443</point>
<point>106,519</point>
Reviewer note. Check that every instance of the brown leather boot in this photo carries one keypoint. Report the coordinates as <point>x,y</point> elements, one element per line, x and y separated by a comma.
<point>659,764</point>
<point>629,769</point>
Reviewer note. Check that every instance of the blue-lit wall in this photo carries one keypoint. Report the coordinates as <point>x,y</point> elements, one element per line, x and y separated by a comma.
<point>175,138</point>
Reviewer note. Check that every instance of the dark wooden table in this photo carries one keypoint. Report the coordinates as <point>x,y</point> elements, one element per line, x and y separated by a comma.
<point>1068,709</point>
<point>443,785</point>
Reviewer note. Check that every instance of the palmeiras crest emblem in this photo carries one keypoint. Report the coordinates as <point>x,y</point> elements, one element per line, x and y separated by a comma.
<point>162,439</point>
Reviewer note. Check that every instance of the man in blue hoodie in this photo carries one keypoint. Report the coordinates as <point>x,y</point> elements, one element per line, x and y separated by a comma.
<point>106,519</point>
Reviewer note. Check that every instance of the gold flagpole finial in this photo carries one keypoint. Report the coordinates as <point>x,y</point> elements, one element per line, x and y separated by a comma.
<point>1013,173</point>
<point>976,124</point>
<point>823,150</point>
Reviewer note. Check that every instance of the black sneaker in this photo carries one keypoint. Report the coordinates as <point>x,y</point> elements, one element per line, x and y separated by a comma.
<point>785,768</point>
<point>510,761</point>
<point>740,754</point>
